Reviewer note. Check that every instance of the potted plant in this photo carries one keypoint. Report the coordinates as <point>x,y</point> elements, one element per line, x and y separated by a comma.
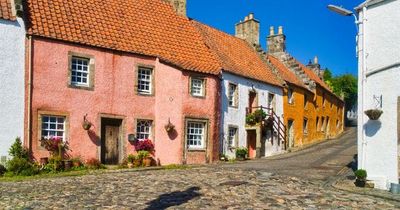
<point>145,157</point>
<point>259,115</point>
<point>374,114</point>
<point>361,177</point>
<point>76,162</point>
<point>67,164</point>
<point>131,158</point>
<point>241,153</point>
<point>250,119</point>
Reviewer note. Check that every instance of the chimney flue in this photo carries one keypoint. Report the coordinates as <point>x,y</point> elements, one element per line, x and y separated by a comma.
<point>271,31</point>
<point>179,6</point>
<point>249,30</point>
<point>280,30</point>
<point>276,42</point>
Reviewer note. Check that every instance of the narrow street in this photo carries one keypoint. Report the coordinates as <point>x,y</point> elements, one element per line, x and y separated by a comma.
<point>319,162</point>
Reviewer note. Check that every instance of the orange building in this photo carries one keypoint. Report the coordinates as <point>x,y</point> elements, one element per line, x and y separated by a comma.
<point>312,112</point>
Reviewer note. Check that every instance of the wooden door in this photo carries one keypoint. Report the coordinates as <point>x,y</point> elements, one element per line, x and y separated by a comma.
<point>251,144</point>
<point>111,145</point>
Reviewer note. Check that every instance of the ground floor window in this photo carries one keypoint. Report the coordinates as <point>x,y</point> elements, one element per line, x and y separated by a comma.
<point>53,126</point>
<point>195,134</point>
<point>143,129</point>
<point>232,136</point>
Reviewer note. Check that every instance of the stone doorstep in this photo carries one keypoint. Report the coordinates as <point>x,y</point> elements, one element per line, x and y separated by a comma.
<point>344,184</point>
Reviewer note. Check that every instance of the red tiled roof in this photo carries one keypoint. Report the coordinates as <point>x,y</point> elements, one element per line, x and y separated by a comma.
<point>236,55</point>
<point>6,10</point>
<point>147,27</point>
<point>310,73</point>
<point>285,73</point>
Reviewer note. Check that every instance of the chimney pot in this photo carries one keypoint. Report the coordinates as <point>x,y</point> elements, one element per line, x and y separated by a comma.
<point>316,60</point>
<point>280,30</point>
<point>251,16</point>
<point>271,31</point>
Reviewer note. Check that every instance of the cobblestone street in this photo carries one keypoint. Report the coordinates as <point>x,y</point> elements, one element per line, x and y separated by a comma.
<point>298,180</point>
<point>200,188</point>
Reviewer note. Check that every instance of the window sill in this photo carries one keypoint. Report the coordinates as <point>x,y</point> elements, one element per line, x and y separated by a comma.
<point>81,87</point>
<point>145,94</point>
<point>199,97</point>
<point>196,149</point>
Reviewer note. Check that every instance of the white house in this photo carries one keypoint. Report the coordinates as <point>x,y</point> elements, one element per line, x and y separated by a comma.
<point>12,64</point>
<point>247,83</point>
<point>379,88</point>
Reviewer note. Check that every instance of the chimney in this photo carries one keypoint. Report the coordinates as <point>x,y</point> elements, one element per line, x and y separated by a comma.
<point>179,6</point>
<point>276,42</point>
<point>249,30</point>
<point>316,67</point>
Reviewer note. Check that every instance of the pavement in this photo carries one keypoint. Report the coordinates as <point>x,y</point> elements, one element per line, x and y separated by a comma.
<point>290,181</point>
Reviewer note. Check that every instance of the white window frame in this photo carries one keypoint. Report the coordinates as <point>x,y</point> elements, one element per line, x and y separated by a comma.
<point>46,126</point>
<point>193,132</point>
<point>198,90</point>
<point>145,79</point>
<point>232,136</point>
<point>233,95</point>
<point>144,129</point>
<point>79,68</point>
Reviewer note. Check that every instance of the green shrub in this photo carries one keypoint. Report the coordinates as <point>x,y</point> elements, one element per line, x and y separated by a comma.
<point>55,165</point>
<point>3,170</point>
<point>17,150</point>
<point>361,174</point>
<point>250,119</point>
<point>241,152</point>
<point>21,166</point>
<point>142,154</point>
<point>259,115</point>
<point>131,158</point>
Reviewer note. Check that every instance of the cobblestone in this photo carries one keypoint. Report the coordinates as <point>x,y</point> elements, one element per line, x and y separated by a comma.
<point>199,188</point>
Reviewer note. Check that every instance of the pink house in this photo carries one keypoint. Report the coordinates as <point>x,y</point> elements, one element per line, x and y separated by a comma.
<point>128,67</point>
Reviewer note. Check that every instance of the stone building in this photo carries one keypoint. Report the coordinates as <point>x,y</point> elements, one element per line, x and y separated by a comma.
<point>247,83</point>
<point>12,64</point>
<point>312,112</point>
<point>379,90</point>
<point>129,76</point>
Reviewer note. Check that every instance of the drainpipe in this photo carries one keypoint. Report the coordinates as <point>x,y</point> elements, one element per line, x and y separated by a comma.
<point>29,96</point>
<point>363,82</point>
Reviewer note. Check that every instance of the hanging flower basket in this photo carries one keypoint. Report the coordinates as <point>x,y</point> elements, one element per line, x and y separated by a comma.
<point>374,114</point>
<point>169,127</point>
<point>86,124</point>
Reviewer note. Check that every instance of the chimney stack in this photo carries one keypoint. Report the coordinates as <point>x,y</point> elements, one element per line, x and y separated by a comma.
<point>316,67</point>
<point>249,30</point>
<point>179,6</point>
<point>276,42</point>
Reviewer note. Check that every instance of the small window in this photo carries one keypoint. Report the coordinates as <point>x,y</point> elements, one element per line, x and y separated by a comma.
<point>323,99</point>
<point>53,126</point>
<point>305,101</point>
<point>290,96</point>
<point>305,126</point>
<point>143,129</point>
<point>80,71</point>
<point>317,124</point>
<point>195,132</point>
<point>144,80</point>
<point>233,95</point>
<point>197,87</point>
<point>232,136</point>
<point>271,100</point>
<point>323,124</point>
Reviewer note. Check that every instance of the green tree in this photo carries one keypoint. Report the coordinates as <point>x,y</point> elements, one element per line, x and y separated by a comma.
<point>327,75</point>
<point>346,86</point>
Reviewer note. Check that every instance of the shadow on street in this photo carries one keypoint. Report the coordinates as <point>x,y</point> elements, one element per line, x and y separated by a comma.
<point>173,199</point>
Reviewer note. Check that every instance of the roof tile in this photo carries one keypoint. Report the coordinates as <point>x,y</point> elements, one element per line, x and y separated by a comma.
<point>285,73</point>
<point>7,12</point>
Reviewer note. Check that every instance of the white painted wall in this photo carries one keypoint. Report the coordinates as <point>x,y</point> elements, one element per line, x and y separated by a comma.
<point>237,116</point>
<point>378,140</point>
<point>12,64</point>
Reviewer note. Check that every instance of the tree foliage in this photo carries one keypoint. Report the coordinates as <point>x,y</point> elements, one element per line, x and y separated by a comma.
<point>343,85</point>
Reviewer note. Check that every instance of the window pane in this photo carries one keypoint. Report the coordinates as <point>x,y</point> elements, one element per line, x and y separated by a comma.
<point>80,71</point>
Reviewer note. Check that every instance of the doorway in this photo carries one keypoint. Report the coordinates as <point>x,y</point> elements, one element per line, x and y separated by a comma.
<point>291,133</point>
<point>252,143</point>
<point>110,140</point>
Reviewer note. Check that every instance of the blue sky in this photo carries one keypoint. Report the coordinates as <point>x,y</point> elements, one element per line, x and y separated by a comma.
<point>310,28</point>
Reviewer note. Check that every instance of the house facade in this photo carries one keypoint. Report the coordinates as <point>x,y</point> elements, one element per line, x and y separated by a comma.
<point>247,85</point>
<point>129,82</point>
<point>312,112</point>
<point>12,65</point>
<point>379,67</point>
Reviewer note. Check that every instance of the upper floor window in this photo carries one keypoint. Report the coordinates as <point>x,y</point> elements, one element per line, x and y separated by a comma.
<point>290,96</point>
<point>233,95</point>
<point>271,100</point>
<point>195,134</point>
<point>53,126</point>
<point>143,129</point>
<point>305,100</point>
<point>317,124</point>
<point>80,71</point>
<point>197,87</point>
<point>144,85</point>
<point>232,136</point>
<point>323,99</point>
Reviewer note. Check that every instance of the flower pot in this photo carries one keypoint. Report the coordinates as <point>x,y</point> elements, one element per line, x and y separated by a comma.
<point>44,161</point>
<point>360,183</point>
<point>67,164</point>
<point>147,161</point>
<point>130,165</point>
<point>374,114</point>
<point>86,125</point>
<point>137,163</point>
<point>240,158</point>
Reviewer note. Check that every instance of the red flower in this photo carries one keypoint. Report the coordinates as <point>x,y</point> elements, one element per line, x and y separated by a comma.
<point>145,145</point>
